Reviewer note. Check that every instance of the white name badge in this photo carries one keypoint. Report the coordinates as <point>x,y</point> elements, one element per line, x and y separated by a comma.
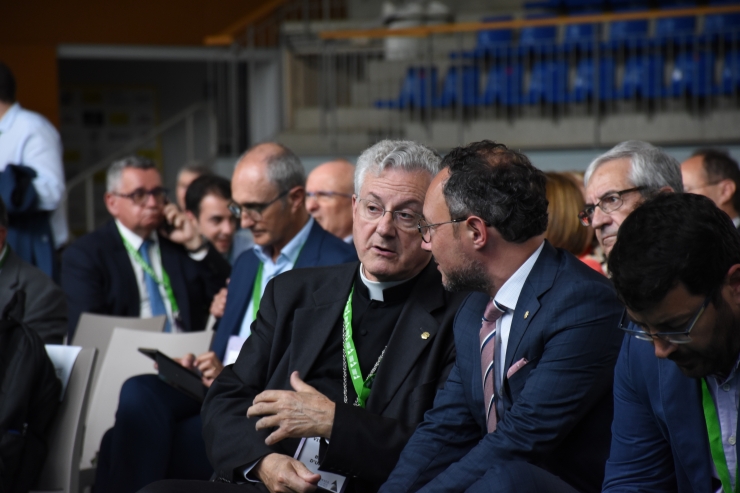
<point>233,348</point>
<point>308,453</point>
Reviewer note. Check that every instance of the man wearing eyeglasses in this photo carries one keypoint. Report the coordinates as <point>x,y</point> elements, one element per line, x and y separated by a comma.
<point>676,384</point>
<point>714,174</point>
<point>527,405</point>
<point>347,357</point>
<point>329,197</point>
<point>142,263</point>
<point>620,180</point>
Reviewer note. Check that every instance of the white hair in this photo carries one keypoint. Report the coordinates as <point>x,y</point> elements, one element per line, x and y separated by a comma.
<point>396,154</point>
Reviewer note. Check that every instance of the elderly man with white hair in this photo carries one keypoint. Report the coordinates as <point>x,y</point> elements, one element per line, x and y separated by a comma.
<point>342,361</point>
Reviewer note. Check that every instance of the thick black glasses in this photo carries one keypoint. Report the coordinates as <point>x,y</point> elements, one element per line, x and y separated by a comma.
<point>321,194</point>
<point>608,203</point>
<point>253,211</point>
<point>672,337</point>
<point>140,196</point>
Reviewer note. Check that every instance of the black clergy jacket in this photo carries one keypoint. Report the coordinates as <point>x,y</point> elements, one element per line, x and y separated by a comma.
<point>298,328</point>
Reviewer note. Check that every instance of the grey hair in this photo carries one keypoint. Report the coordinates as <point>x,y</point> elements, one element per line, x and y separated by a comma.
<point>396,154</point>
<point>113,177</point>
<point>284,168</point>
<point>651,168</point>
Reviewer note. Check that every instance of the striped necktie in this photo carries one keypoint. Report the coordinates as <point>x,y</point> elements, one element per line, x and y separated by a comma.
<point>487,351</point>
<point>152,288</point>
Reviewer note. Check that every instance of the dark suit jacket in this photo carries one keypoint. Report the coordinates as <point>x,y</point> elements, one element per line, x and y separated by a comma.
<point>298,312</point>
<point>556,408</point>
<point>321,249</point>
<point>659,435</point>
<point>45,310</point>
<point>97,277</point>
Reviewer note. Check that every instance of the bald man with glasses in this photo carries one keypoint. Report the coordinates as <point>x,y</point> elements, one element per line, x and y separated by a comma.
<point>144,262</point>
<point>329,190</point>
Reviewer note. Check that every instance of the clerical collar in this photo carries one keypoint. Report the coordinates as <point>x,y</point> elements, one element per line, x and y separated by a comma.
<point>376,289</point>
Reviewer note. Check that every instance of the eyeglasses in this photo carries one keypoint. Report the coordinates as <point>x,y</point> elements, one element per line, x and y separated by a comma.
<point>405,220</point>
<point>140,195</point>
<point>608,203</point>
<point>253,210</point>
<point>425,229</point>
<point>672,337</point>
<point>691,190</point>
<point>321,194</point>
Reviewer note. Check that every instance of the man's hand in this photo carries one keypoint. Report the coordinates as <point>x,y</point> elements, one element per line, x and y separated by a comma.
<point>303,413</point>
<point>284,474</point>
<point>218,305</point>
<point>183,231</point>
<point>207,363</point>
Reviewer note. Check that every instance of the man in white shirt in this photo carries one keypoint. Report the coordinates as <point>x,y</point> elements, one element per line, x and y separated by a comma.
<point>329,190</point>
<point>27,139</point>
<point>142,263</point>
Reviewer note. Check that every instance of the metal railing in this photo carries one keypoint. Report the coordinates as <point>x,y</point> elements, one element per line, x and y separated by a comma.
<point>184,119</point>
<point>458,78</point>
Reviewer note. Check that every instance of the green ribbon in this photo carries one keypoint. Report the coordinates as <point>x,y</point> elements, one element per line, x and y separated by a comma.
<point>353,363</point>
<point>715,440</point>
<point>165,281</point>
<point>257,292</point>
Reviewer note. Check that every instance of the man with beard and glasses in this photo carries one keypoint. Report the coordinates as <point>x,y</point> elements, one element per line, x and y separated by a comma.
<point>527,405</point>
<point>296,376</point>
<point>676,380</point>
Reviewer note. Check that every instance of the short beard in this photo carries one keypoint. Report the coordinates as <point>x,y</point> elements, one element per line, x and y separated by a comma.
<point>470,277</point>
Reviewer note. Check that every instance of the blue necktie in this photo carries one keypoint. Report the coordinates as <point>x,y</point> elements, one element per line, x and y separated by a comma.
<point>152,288</point>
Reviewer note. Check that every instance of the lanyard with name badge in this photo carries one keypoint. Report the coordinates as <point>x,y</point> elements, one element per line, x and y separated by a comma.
<point>165,281</point>
<point>350,360</point>
<point>715,441</point>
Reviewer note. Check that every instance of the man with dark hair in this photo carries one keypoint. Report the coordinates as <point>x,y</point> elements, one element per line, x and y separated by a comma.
<point>157,433</point>
<point>676,381</point>
<point>207,203</point>
<point>185,177</point>
<point>32,173</point>
<point>714,174</point>
<point>528,403</point>
<point>45,309</point>
<point>132,267</point>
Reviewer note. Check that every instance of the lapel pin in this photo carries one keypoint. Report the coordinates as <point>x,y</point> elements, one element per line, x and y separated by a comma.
<point>526,314</point>
<point>425,335</point>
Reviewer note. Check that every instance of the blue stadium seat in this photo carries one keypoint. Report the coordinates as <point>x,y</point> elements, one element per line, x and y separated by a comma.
<point>548,82</point>
<point>730,78</point>
<point>414,90</point>
<point>721,26</point>
<point>579,38</point>
<point>452,85</point>
<point>503,85</point>
<point>490,42</point>
<point>643,77</point>
<point>692,75</point>
<point>537,41</point>
<point>584,82</point>
<point>627,35</point>
<point>674,30</point>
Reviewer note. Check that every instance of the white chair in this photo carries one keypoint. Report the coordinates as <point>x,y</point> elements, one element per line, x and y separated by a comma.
<point>123,361</point>
<point>61,470</point>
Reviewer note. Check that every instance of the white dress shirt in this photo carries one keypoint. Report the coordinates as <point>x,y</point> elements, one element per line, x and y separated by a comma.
<point>508,296</point>
<point>29,139</point>
<point>145,306</point>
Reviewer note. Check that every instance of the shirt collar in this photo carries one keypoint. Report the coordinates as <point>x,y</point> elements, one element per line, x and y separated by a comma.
<point>721,380</point>
<point>376,288</point>
<point>736,221</point>
<point>290,251</point>
<point>508,295</point>
<point>9,117</point>
<point>132,238</point>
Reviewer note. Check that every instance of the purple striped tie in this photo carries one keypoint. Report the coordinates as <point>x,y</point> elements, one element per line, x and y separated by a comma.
<point>487,348</point>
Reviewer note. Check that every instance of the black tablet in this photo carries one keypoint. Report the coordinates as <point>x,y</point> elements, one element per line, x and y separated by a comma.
<point>173,373</point>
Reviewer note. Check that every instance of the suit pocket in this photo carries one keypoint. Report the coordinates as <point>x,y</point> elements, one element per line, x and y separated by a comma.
<point>516,383</point>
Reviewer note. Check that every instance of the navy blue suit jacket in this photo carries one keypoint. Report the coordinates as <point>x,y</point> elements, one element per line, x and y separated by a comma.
<point>321,249</point>
<point>97,277</point>
<point>659,436</point>
<point>556,409</point>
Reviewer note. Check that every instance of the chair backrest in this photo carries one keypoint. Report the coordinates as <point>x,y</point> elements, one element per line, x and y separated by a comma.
<point>61,469</point>
<point>122,362</point>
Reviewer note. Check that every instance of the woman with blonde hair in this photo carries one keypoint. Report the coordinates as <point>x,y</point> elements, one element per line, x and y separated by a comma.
<point>564,230</point>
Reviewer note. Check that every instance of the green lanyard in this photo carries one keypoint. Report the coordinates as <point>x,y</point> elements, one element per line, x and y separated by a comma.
<point>353,363</point>
<point>5,256</point>
<point>148,269</point>
<point>715,440</point>
<point>257,292</point>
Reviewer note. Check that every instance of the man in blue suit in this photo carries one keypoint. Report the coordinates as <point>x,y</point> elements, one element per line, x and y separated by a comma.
<point>528,403</point>
<point>157,434</point>
<point>676,382</point>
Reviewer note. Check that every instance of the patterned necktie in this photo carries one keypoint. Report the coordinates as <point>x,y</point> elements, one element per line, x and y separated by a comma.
<point>152,288</point>
<point>487,350</point>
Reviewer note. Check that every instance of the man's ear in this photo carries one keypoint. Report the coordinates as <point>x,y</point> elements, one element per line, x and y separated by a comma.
<point>726,191</point>
<point>297,198</point>
<point>111,203</point>
<point>733,281</point>
<point>193,219</point>
<point>475,229</point>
